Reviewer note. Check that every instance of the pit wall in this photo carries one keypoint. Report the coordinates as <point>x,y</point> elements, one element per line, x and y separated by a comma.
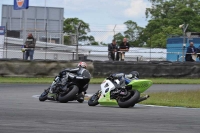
<point>99,69</point>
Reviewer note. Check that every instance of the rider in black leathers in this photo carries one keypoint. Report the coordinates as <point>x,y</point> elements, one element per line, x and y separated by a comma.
<point>81,75</point>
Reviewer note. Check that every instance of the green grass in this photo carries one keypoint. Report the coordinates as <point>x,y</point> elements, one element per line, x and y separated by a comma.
<point>95,80</point>
<point>188,99</point>
<point>174,81</point>
<point>25,80</point>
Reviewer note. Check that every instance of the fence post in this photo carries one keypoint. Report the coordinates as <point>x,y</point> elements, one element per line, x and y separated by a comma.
<point>114,31</point>
<point>46,41</point>
<point>178,57</point>
<point>6,39</point>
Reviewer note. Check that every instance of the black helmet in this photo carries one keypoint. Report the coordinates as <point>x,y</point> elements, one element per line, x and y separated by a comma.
<point>135,74</point>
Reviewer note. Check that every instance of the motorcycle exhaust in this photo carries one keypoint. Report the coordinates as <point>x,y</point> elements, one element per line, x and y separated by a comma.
<point>143,98</point>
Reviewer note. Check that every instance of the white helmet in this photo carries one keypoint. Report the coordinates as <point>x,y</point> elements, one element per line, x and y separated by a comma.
<point>82,64</point>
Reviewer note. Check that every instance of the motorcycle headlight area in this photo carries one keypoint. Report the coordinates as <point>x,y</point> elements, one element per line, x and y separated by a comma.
<point>106,90</point>
<point>117,81</point>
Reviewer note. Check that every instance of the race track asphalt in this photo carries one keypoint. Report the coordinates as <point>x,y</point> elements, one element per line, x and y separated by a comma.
<point>20,112</point>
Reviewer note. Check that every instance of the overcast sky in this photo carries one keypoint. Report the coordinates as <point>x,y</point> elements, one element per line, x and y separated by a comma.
<point>100,14</point>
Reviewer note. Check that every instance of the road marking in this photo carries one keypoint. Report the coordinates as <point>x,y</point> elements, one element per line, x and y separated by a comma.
<point>36,96</point>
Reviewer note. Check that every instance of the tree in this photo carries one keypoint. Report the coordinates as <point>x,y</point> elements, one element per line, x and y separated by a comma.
<point>166,16</point>
<point>70,26</point>
<point>133,32</point>
<point>119,38</point>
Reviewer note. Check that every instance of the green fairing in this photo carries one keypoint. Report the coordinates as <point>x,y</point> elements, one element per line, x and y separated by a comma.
<point>141,84</point>
<point>105,100</point>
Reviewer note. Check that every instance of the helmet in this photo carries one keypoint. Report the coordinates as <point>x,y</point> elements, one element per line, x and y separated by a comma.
<point>135,74</point>
<point>82,64</point>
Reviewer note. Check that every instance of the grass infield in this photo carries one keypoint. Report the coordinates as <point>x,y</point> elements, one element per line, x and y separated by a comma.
<point>94,80</point>
<point>189,99</point>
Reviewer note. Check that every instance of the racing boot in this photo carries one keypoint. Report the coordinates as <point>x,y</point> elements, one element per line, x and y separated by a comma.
<point>81,97</point>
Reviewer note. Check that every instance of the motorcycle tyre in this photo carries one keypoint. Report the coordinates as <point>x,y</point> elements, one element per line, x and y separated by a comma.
<point>43,98</point>
<point>130,102</point>
<point>69,96</point>
<point>93,103</point>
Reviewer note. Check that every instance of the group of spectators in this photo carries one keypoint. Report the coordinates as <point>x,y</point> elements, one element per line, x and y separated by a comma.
<point>117,53</point>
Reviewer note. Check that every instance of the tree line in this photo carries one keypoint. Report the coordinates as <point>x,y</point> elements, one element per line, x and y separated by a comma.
<point>164,18</point>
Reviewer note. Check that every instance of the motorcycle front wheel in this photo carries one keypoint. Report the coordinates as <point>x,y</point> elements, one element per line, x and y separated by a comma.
<point>93,101</point>
<point>130,100</point>
<point>69,95</point>
<point>43,96</point>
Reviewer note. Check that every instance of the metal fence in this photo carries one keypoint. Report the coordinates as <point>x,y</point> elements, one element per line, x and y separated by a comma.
<point>47,48</point>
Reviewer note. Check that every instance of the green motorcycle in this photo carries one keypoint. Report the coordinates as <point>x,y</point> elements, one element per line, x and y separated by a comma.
<point>112,92</point>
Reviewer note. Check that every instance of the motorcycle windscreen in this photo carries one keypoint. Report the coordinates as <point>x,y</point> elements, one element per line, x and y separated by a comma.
<point>141,84</point>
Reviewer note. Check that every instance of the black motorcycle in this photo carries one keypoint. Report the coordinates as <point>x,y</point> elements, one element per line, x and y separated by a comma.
<point>67,87</point>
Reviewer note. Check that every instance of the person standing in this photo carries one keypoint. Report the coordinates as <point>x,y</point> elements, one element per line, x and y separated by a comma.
<point>191,50</point>
<point>112,49</point>
<point>124,47</point>
<point>29,46</point>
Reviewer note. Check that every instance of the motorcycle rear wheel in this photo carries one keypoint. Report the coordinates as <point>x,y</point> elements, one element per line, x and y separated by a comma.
<point>130,101</point>
<point>65,97</point>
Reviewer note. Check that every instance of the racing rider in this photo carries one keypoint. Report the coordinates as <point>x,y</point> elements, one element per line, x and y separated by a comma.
<point>82,75</point>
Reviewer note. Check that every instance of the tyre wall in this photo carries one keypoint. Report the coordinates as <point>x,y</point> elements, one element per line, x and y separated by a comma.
<point>149,69</point>
<point>22,68</point>
<point>38,68</point>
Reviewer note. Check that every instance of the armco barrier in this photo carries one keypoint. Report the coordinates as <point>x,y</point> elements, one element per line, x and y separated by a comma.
<point>48,68</point>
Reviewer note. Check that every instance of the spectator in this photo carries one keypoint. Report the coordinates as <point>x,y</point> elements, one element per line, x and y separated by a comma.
<point>29,46</point>
<point>112,49</point>
<point>191,50</point>
<point>124,47</point>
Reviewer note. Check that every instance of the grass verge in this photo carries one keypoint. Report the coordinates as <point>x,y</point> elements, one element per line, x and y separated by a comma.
<point>95,80</point>
<point>189,99</point>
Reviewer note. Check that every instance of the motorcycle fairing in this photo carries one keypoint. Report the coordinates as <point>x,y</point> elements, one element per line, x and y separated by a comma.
<point>141,84</point>
<point>105,100</point>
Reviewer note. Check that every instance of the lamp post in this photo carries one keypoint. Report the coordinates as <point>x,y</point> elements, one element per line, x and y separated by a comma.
<point>184,28</point>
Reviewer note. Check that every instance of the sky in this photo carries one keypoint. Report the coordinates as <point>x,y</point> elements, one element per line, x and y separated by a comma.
<point>101,15</point>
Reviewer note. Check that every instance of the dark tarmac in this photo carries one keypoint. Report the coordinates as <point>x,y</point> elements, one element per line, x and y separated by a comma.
<point>20,112</point>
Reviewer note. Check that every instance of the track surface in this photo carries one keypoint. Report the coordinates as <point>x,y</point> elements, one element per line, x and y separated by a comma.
<point>21,113</point>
